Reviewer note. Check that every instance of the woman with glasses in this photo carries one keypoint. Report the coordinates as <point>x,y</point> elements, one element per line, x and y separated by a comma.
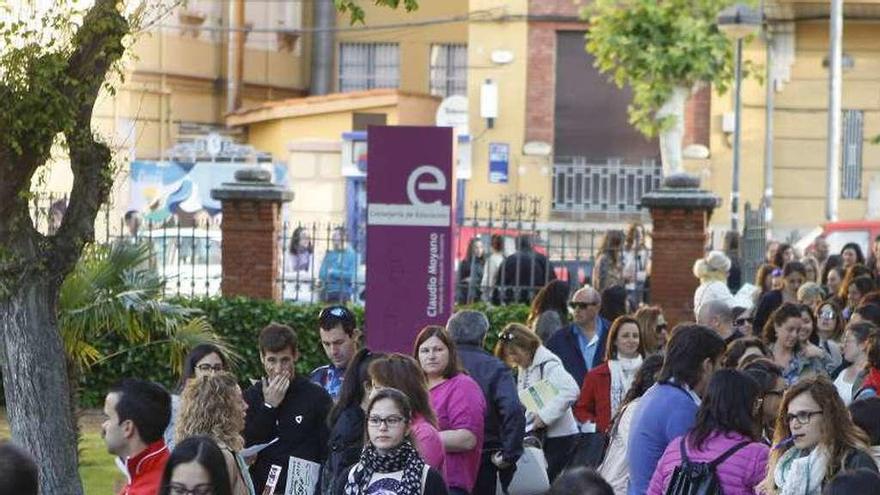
<point>781,335</point>
<point>521,348</point>
<point>389,462</point>
<point>855,353</point>
<point>815,439</point>
<point>402,372</point>
<point>213,406</point>
<point>726,431</point>
<point>793,276</point>
<point>654,329</point>
<point>769,378</point>
<point>606,385</point>
<point>829,326</point>
<point>459,404</point>
<point>195,467</point>
<point>202,360</point>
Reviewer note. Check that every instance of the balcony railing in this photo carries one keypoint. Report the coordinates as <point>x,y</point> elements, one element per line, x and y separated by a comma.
<point>590,186</point>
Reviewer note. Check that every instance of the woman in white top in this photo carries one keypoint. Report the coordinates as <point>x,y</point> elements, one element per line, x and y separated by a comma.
<point>614,467</point>
<point>521,347</point>
<point>712,273</point>
<point>855,345</point>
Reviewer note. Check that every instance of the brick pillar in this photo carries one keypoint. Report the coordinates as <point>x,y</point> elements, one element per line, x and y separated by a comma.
<point>251,227</point>
<point>680,212</point>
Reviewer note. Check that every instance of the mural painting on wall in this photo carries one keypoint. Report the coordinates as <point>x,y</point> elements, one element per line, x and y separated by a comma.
<point>164,190</point>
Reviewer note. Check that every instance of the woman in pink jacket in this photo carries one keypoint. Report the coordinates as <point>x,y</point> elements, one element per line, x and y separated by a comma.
<point>726,425</point>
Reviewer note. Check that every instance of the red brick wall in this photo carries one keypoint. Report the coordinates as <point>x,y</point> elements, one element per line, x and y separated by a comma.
<point>697,115</point>
<point>250,249</point>
<point>679,238</point>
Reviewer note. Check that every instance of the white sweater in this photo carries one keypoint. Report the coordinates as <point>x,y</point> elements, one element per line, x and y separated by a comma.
<point>556,414</point>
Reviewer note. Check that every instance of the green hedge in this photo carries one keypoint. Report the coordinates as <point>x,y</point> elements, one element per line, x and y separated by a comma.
<point>239,322</point>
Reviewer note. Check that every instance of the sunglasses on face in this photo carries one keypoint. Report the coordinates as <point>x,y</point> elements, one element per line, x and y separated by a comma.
<point>826,314</point>
<point>582,305</point>
<point>742,321</point>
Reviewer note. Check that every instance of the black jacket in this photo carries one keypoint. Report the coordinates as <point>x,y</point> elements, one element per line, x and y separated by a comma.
<point>505,416</point>
<point>299,423</point>
<point>346,443</point>
<point>522,275</point>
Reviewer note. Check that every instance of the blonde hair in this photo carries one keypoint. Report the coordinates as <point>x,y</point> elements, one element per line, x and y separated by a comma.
<point>211,406</point>
<point>713,267</point>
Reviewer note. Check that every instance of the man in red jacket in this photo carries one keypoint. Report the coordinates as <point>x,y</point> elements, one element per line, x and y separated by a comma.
<point>136,414</point>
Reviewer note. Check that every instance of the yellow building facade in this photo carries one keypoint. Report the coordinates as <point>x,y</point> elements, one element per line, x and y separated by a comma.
<point>800,121</point>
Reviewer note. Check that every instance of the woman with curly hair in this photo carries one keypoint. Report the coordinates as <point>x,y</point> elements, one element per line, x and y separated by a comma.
<point>549,311</point>
<point>815,439</point>
<point>213,406</point>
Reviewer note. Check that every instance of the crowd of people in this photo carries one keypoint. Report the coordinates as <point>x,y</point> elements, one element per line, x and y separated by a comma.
<point>774,393</point>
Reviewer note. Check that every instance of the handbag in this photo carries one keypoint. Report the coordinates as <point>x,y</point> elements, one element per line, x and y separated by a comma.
<point>530,477</point>
<point>589,450</point>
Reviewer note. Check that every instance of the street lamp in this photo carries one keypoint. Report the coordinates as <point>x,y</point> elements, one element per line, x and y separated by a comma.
<point>737,22</point>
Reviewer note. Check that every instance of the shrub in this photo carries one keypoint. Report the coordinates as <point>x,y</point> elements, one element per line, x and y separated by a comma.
<point>239,321</point>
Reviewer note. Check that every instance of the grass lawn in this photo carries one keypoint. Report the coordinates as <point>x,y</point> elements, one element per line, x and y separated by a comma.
<point>96,467</point>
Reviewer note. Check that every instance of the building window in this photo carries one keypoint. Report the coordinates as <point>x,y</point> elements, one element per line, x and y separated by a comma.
<point>368,65</point>
<point>853,134</point>
<point>448,70</point>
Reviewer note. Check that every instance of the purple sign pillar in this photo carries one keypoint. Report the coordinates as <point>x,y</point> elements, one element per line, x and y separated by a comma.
<point>409,234</point>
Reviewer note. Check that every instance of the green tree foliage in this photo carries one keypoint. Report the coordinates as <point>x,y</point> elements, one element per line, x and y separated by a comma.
<point>654,47</point>
<point>356,12</point>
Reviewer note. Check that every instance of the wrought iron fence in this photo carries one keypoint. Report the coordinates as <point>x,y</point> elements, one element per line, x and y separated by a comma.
<point>584,186</point>
<point>186,251</point>
<point>521,254</point>
<point>754,241</point>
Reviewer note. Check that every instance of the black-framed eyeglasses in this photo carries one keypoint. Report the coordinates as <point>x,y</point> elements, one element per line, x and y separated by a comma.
<point>210,367</point>
<point>581,305</point>
<point>392,421</point>
<point>742,321</point>
<point>181,489</point>
<point>803,417</point>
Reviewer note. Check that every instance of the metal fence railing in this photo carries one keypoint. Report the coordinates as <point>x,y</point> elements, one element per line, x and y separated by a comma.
<point>584,186</point>
<point>186,251</point>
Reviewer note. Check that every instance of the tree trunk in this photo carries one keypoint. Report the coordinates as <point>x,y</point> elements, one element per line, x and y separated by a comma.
<point>35,381</point>
<point>671,138</point>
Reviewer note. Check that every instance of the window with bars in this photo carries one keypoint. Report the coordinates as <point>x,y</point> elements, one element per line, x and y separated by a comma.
<point>448,70</point>
<point>853,134</point>
<point>368,66</point>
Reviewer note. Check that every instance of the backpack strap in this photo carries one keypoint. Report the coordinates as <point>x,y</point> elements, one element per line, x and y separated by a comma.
<point>726,455</point>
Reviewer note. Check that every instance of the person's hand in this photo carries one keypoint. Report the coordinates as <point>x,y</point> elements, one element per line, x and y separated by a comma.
<point>499,462</point>
<point>813,351</point>
<point>539,423</point>
<point>275,388</point>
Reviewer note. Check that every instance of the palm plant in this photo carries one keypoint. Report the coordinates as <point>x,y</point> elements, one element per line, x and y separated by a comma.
<point>113,290</point>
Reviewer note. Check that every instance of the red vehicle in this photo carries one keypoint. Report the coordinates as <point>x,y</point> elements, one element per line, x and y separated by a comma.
<point>862,232</point>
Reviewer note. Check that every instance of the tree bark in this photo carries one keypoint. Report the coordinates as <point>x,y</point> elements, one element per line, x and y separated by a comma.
<point>36,386</point>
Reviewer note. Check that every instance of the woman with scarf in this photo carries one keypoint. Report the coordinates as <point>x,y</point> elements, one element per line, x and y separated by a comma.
<point>390,463</point>
<point>606,385</point>
<point>815,439</point>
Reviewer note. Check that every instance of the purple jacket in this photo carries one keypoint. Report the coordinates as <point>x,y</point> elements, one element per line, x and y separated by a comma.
<point>738,475</point>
